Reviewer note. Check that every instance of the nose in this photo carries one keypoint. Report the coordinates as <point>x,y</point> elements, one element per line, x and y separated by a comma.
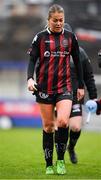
<point>58,23</point>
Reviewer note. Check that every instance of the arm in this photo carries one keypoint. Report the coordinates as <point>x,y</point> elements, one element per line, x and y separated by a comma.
<point>77,63</point>
<point>34,54</point>
<point>88,75</point>
<point>75,55</point>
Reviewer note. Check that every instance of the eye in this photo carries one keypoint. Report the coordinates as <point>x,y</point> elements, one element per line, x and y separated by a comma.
<point>55,20</point>
<point>61,20</point>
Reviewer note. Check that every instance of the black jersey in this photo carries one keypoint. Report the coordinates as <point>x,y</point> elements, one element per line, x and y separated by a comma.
<point>99,58</point>
<point>52,51</point>
<point>87,75</point>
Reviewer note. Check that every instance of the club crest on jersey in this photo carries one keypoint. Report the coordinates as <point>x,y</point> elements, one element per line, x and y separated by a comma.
<point>43,95</point>
<point>64,42</point>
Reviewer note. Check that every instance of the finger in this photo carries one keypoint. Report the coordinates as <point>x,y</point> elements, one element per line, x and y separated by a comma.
<point>80,97</point>
<point>34,88</point>
<point>30,88</point>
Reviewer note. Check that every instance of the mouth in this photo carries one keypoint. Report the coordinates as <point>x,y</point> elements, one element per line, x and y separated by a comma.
<point>58,28</point>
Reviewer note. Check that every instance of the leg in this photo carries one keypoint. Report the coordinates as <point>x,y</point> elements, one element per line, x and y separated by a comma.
<point>61,134</point>
<point>47,115</point>
<point>63,108</point>
<point>75,130</point>
<point>48,129</point>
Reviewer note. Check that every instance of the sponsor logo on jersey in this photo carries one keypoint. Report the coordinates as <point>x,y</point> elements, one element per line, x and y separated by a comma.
<point>56,53</point>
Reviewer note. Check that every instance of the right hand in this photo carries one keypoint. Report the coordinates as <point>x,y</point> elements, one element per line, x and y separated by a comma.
<point>31,85</point>
<point>98,112</point>
<point>80,94</point>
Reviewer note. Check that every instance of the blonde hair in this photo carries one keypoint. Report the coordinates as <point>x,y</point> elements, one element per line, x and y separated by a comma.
<point>55,8</point>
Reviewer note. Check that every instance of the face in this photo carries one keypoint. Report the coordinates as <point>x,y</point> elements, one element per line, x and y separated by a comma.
<point>56,22</point>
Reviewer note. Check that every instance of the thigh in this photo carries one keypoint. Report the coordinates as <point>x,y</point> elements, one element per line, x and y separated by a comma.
<point>75,123</point>
<point>64,104</point>
<point>47,113</point>
<point>64,108</point>
<point>63,112</point>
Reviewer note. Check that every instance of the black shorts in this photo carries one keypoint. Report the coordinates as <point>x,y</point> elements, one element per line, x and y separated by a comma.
<point>52,99</point>
<point>76,110</point>
<point>76,107</point>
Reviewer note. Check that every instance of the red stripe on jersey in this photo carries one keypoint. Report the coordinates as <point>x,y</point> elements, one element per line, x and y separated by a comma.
<point>51,64</point>
<point>60,66</point>
<point>68,80</point>
<point>42,66</point>
<point>70,43</point>
<point>69,86</point>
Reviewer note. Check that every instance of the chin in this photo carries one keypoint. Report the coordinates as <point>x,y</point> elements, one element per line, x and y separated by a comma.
<point>58,30</point>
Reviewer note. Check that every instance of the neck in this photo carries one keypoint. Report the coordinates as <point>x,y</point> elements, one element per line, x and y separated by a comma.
<point>54,32</point>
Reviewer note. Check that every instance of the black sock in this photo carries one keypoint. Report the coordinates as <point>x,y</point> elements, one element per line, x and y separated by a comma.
<point>48,147</point>
<point>61,138</point>
<point>74,136</point>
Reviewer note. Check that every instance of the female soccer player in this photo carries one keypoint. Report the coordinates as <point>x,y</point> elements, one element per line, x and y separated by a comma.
<point>52,48</point>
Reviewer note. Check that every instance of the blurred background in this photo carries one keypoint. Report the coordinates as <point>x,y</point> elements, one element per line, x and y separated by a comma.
<point>20,20</point>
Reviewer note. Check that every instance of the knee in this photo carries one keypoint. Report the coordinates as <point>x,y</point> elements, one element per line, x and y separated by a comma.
<point>49,127</point>
<point>62,122</point>
<point>75,128</point>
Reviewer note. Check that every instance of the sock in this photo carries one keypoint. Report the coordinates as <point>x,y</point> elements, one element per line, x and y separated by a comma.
<point>48,147</point>
<point>74,136</point>
<point>61,138</point>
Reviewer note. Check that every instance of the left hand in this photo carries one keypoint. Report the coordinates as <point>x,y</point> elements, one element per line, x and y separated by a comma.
<point>80,94</point>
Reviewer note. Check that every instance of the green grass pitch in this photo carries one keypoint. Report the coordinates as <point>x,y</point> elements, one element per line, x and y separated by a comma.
<point>21,156</point>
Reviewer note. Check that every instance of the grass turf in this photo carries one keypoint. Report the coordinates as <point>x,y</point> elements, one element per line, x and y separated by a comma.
<point>21,156</point>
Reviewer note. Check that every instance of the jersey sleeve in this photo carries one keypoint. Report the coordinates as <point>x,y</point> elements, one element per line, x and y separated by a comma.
<point>34,54</point>
<point>88,75</point>
<point>77,63</point>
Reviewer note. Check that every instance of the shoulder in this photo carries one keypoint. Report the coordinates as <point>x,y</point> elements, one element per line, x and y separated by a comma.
<point>43,32</point>
<point>39,35</point>
<point>68,34</point>
<point>83,53</point>
<point>67,31</point>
